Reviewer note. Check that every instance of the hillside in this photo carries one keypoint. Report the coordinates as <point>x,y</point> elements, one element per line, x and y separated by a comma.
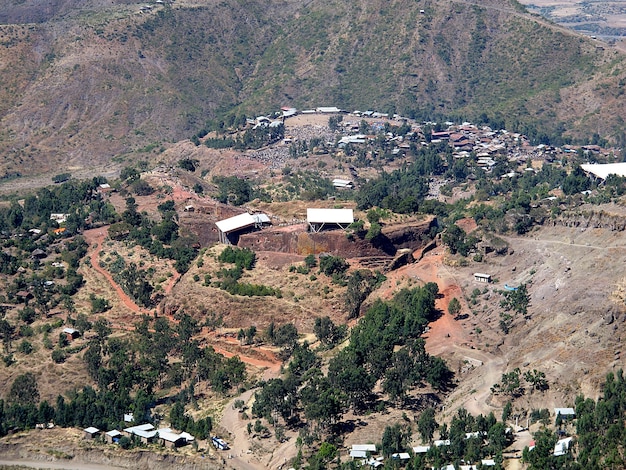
<point>100,84</point>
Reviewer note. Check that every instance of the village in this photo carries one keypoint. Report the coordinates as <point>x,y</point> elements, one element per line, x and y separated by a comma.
<point>327,228</point>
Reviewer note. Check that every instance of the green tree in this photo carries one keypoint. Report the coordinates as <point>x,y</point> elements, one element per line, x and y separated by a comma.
<point>427,425</point>
<point>24,390</point>
<point>537,379</point>
<point>454,307</point>
<point>327,332</point>
<point>395,439</point>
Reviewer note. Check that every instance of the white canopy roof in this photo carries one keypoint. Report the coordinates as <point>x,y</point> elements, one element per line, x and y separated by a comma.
<point>606,169</point>
<point>235,223</point>
<point>330,216</point>
<point>364,447</point>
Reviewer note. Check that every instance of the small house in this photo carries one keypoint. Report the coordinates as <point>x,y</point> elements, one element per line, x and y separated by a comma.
<point>112,436</point>
<point>23,295</point>
<point>38,253</point>
<point>339,183</point>
<point>358,454</point>
<point>565,413</point>
<point>480,277</point>
<point>91,432</point>
<point>71,333</point>
<point>170,439</point>
<point>145,432</point>
<point>562,446</point>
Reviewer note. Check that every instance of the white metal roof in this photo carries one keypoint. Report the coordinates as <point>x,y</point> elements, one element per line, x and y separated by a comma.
<point>261,218</point>
<point>564,411</point>
<point>421,449</point>
<point>328,109</point>
<point>140,427</point>
<point>606,169</point>
<point>358,454</point>
<point>235,223</point>
<point>330,216</point>
<point>91,430</point>
<point>114,433</point>
<point>168,435</point>
<point>364,447</point>
<point>561,446</point>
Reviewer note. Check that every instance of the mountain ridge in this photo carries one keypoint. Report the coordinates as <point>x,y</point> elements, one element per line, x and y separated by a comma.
<point>103,85</point>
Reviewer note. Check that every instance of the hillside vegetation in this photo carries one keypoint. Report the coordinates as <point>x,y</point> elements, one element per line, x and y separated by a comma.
<point>93,84</point>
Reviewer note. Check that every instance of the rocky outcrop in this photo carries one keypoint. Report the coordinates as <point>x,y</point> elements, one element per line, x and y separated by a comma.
<point>410,236</point>
<point>592,219</point>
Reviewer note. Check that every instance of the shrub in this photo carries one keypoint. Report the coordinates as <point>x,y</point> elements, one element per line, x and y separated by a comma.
<point>59,355</point>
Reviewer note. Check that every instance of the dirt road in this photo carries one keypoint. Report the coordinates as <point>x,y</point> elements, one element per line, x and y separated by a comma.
<point>448,338</point>
<point>65,465</point>
<point>95,239</point>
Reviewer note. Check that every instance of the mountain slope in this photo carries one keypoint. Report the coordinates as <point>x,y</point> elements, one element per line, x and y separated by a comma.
<point>92,85</point>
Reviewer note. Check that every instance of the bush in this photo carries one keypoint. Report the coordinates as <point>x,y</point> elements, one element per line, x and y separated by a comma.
<point>25,347</point>
<point>59,355</point>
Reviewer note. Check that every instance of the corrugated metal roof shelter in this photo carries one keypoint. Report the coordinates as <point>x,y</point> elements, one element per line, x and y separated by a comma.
<point>358,454</point>
<point>565,412</point>
<point>318,219</point>
<point>238,223</point>
<point>603,170</point>
<point>342,184</point>
<point>364,447</point>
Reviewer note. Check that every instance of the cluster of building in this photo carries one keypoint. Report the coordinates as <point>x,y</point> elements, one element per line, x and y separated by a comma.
<point>146,433</point>
<point>465,138</point>
<point>366,454</point>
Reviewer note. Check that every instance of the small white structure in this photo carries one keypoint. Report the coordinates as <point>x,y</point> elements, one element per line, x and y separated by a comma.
<point>91,432</point>
<point>339,183</point>
<point>145,432</point>
<point>566,413</point>
<point>58,218</point>
<point>327,109</point>
<point>112,436</point>
<point>358,454</point>
<point>318,219</point>
<point>481,277</point>
<point>421,449</point>
<point>442,442</point>
<point>401,456</point>
<point>562,446</point>
<point>364,447</point>
<point>488,462</point>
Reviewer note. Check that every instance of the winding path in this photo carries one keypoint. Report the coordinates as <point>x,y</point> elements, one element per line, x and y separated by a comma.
<point>95,239</point>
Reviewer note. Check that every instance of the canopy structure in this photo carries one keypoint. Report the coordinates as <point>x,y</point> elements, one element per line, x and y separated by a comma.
<point>318,219</point>
<point>238,223</point>
<point>602,171</point>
